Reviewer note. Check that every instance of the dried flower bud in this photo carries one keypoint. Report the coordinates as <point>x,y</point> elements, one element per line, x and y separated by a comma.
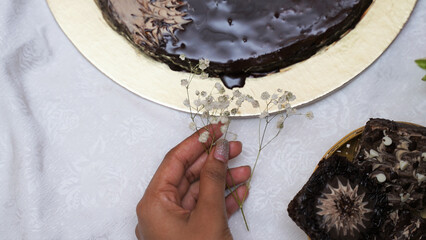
<point>290,96</point>
<point>186,103</point>
<point>224,129</point>
<point>224,119</point>
<point>219,88</point>
<point>236,93</point>
<point>184,82</point>
<point>197,102</point>
<point>239,102</point>
<point>203,64</point>
<point>309,115</point>
<point>249,98</point>
<point>204,75</point>
<point>280,122</point>
<point>192,126</point>
<point>265,96</point>
<point>204,137</point>
<point>255,104</point>
<point>213,119</point>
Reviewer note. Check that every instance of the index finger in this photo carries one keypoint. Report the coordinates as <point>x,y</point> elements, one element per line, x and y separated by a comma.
<point>181,157</point>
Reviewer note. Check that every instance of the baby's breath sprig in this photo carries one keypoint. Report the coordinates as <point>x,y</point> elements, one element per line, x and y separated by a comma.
<point>217,106</point>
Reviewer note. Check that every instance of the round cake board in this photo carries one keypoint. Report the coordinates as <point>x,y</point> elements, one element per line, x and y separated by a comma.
<point>328,70</point>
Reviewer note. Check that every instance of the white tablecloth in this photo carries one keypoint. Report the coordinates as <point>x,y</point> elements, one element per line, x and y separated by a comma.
<point>77,150</point>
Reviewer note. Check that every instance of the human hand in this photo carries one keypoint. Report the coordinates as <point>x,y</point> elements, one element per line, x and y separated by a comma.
<point>186,197</point>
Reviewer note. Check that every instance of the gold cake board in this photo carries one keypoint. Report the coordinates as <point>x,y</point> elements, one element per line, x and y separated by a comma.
<point>331,68</point>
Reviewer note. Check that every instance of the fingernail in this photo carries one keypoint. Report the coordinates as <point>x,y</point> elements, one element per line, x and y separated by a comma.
<point>221,151</point>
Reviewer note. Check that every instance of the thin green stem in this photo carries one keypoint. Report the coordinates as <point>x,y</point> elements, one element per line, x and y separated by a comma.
<point>270,140</point>
<point>237,199</point>
<point>254,166</point>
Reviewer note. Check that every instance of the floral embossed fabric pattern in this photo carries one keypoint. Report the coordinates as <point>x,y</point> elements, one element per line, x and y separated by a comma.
<point>77,150</point>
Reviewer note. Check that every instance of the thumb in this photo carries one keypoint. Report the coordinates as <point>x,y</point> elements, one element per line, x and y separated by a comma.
<point>213,178</point>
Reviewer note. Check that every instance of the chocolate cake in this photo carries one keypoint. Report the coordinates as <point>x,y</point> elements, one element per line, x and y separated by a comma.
<point>340,202</point>
<point>241,38</point>
<point>395,154</point>
<point>378,196</point>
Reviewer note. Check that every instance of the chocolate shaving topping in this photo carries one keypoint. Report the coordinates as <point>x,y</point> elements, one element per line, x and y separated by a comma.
<point>395,150</point>
<point>146,22</point>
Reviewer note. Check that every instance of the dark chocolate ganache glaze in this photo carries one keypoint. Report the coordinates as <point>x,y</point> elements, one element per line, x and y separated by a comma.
<point>241,38</point>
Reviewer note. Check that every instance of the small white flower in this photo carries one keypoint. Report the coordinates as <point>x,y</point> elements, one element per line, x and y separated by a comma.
<point>204,75</point>
<point>197,92</point>
<point>203,93</point>
<point>186,103</point>
<point>182,57</point>
<point>224,129</point>
<point>265,96</point>
<point>290,96</point>
<point>224,119</point>
<point>184,82</point>
<point>274,96</point>
<point>203,64</point>
<point>236,93</point>
<point>213,120</point>
<point>223,98</point>
<point>197,102</point>
<point>204,137</point>
<point>249,98</point>
<point>309,115</point>
<point>281,99</point>
<point>239,102</point>
<point>279,90</point>
<point>264,114</point>
<point>219,88</point>
<point>287,107</point>
<point>255,104</point>
<point>192,126</point>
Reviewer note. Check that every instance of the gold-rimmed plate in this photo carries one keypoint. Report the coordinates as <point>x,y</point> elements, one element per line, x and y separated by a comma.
<point>331,68</point>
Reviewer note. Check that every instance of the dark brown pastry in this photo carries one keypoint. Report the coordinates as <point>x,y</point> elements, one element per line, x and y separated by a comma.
<point>404,224</point>
<point>395,154</point>
<point>340,202</point>
<point>241,38</point>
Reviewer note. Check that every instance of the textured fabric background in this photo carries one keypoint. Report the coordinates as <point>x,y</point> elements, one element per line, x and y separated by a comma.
<point>78,150</point>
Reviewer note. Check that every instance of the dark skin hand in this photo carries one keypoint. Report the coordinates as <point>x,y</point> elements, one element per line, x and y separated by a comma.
<point>186,197</point>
